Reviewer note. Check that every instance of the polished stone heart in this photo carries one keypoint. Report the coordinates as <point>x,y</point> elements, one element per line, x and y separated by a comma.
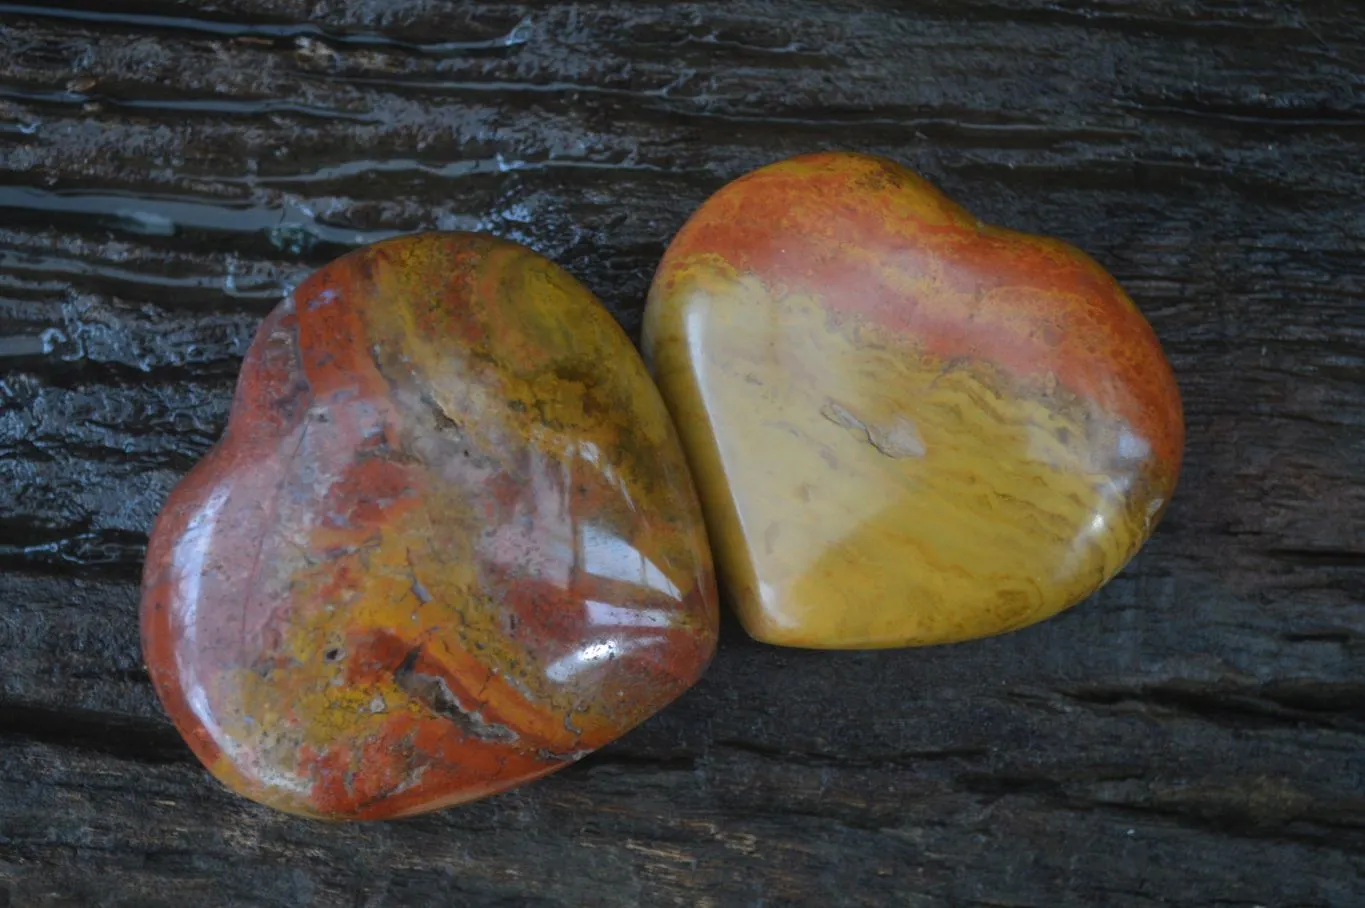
<point>907,427</point>
<point>447,544</point>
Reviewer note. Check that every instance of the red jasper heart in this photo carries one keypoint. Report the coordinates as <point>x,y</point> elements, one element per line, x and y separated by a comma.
<point>447,544</point>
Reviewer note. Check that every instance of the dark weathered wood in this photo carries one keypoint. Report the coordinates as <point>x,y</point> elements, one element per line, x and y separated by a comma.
<point>1194,735</point>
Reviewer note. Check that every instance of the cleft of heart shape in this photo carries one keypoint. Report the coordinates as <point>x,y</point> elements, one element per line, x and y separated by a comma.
<point>907,427</point>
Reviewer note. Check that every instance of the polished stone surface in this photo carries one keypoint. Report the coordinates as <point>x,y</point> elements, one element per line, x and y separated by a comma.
<point>447,544</point>
<point>907,427</point>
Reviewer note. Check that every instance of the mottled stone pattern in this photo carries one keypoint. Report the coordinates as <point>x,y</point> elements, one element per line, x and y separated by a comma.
<point>908,427</point>
<point>447,544</point>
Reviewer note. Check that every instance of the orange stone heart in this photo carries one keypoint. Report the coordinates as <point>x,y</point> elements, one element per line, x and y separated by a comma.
<point>447,544</point>
<point>907,427</point>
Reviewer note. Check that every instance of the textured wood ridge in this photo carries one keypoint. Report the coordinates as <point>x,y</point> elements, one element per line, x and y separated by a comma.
<point>1191,736</point>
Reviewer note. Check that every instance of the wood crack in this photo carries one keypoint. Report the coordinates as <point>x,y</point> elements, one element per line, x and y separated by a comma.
<point>122,737</point>
<point>1335,706</point>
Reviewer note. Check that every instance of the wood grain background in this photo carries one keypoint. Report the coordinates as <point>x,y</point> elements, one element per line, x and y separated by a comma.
<point>1194,735</point>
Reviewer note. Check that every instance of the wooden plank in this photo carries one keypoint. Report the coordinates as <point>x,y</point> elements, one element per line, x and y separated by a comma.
<point>1190,736</point>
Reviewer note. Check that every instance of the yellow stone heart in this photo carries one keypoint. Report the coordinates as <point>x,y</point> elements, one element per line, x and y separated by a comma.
<point>907,427</point>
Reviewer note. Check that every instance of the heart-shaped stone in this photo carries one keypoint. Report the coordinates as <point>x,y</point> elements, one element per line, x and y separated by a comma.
<point>447,544</point>
<point>907,427</point>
